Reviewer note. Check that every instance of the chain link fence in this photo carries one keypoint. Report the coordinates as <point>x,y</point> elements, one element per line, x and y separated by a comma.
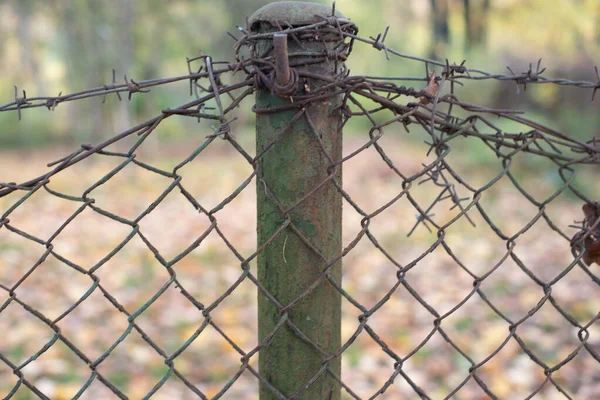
<point>463,277</point>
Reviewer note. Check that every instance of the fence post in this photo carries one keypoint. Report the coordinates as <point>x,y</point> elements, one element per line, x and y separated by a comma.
<point>292,163</point>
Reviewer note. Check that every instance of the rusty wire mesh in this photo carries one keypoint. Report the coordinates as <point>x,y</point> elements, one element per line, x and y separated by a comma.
<point>440,192</point>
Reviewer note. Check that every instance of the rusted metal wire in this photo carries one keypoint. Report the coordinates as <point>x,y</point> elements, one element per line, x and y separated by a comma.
<point>435,119</point>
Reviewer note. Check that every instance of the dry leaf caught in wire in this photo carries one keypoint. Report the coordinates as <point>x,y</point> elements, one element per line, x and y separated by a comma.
<point>591,254</point>
<point>432,89</point>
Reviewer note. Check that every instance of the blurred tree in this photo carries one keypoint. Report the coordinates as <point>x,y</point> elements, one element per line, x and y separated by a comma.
<point>126,52</point>
<point>85,27</point>
<point>598,24</point>
<point>440,27</point>
<point>476,22</point>
<point>27,57</point>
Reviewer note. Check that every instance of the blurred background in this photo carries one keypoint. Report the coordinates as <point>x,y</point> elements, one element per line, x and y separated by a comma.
<point>66,46</point>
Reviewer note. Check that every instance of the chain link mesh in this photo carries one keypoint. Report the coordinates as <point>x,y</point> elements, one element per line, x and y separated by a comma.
<point>487,284</point>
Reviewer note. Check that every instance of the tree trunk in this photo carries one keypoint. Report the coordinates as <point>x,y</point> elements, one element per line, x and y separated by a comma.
<point>476,22</point>
<point>440,28</point>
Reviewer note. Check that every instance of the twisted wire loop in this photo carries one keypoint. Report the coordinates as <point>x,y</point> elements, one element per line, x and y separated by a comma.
<point>437,359</point>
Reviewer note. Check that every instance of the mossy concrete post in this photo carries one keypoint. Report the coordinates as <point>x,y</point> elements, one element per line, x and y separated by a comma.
<point>292,165</point>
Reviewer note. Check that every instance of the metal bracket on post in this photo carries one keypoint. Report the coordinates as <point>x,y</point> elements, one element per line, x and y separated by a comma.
<point>282,63</point>
<point>285,79</point>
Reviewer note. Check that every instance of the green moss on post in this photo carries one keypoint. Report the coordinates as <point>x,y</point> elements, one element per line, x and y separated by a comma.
<point>291,168</point>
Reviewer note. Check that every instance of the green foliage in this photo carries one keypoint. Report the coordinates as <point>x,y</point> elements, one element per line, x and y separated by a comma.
<point>68,46</point>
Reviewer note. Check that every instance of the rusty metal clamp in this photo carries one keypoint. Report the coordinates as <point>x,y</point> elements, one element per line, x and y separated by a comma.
<point>286,78</point>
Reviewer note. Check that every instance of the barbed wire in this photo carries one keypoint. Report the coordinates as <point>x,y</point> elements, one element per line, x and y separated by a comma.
<point>427,111</point>
<point>458,72</point>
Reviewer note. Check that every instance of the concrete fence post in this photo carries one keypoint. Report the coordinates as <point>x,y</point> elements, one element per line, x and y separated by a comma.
<point>292,163</point>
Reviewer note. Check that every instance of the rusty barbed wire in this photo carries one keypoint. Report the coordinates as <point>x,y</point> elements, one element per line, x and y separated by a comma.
<point>434,119</point>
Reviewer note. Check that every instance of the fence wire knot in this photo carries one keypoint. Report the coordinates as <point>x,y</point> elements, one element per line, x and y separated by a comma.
<point>378,42</point>
<point>51,103</point>
<point>134,87</point>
